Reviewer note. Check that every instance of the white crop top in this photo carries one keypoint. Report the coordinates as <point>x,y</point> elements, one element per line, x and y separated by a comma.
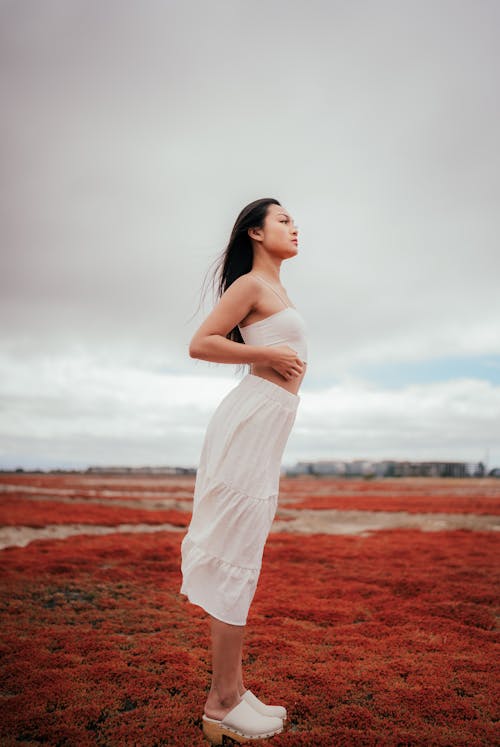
<point>285,327</point>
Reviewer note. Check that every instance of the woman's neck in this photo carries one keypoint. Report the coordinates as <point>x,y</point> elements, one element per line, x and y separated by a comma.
<point>270,274</point>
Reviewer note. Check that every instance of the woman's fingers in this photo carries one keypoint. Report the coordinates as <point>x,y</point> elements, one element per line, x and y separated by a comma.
<point>295,368</point>
<point>295,371</point>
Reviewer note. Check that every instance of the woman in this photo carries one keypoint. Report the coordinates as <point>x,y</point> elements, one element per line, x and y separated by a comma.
<point>237,481</point>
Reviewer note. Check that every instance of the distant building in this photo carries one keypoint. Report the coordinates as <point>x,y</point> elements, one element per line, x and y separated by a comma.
<point>142,470</point>
<point>387,468</point>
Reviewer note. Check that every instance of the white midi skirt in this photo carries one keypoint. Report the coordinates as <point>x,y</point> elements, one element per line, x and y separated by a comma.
<point>236,496</point>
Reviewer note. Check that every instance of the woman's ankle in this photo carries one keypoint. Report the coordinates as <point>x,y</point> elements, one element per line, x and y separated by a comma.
<point>219,702</point>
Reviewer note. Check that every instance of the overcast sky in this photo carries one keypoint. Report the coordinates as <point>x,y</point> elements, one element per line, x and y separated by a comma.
<point>132,135</point>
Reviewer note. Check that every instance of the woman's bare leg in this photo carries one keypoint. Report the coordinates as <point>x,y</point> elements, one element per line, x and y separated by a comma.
<point>227,643</point>
<point>241,686</point>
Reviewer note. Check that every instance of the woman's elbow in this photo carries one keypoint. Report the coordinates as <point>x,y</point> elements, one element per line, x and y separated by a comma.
<point>195,348</point>
<point>203,347</point>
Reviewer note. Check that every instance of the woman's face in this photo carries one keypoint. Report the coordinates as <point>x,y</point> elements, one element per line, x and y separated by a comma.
<point>279,234</point>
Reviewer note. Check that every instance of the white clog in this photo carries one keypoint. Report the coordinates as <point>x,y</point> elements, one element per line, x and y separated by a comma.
<point>265,710</point>
<point>241,724</point>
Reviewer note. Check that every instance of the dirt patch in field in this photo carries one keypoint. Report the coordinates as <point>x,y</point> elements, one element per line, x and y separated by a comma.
<point>290,521</point>
<point>22,536</point>
<point>363,522</point>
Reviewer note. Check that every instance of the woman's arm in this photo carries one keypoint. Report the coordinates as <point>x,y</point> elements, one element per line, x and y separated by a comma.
<point>210,343</point>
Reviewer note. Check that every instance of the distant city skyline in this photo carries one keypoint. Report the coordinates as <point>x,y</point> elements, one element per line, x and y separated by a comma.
<point>320,467</point>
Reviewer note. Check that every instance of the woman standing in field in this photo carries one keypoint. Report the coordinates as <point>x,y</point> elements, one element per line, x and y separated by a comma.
<point>237,481</point>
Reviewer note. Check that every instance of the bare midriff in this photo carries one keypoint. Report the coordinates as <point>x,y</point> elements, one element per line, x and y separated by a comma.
<point>267,372</point>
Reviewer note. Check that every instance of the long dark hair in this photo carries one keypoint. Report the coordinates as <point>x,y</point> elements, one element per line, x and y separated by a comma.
<point>237,258</point>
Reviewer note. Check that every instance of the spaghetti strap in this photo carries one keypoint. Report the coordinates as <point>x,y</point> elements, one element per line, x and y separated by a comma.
<point>274,291</point>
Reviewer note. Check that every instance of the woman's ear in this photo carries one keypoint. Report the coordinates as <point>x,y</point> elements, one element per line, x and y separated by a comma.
<point>255,233</point>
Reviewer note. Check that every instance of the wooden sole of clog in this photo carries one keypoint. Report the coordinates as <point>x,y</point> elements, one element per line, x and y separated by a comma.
<point>214,732</point>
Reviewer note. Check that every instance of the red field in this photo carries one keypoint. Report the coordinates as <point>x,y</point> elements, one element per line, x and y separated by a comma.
<point>386,639</point>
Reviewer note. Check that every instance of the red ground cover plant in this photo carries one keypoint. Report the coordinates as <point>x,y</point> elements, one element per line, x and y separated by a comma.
<point>382,640</point>
<point>16,512</point>
<point>437,485</point>
<point>481,496</point>
<point>413,504</point>
<point>104,494</point>
<point>91,483</point>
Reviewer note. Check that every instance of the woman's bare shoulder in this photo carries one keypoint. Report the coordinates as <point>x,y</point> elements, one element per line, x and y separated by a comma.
<point>247,280</point>
<point>246,285</point>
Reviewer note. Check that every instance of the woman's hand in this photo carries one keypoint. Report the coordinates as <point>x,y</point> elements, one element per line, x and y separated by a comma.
<point>285,361</point>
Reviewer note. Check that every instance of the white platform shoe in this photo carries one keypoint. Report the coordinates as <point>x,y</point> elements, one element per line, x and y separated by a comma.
<point>266,710</point>
<point>242,724</point>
